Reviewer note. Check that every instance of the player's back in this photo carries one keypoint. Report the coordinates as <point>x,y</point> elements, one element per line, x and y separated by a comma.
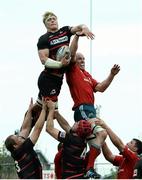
<point>26,162</point>
<point>74,151</point>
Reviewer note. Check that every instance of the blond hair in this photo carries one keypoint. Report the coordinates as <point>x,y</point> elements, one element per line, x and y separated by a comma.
<point>47,14</point>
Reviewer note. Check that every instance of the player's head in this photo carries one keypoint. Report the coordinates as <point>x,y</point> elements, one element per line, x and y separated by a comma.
<point>138,145</point>
<point>13,142</point>
<point>50,21</point>
<point>82,128</point>
<point>135,145</point>
<point>80,60</point>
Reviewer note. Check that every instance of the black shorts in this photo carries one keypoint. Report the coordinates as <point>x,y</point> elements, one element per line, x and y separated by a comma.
<point>49,85</point>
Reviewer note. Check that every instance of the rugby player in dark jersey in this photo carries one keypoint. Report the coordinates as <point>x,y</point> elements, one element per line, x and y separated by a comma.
<point>74,143</point>
<point>50,79</point>
<point>21,146</point>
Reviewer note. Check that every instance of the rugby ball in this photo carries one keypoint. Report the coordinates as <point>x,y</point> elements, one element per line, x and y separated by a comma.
<point>63,51</point>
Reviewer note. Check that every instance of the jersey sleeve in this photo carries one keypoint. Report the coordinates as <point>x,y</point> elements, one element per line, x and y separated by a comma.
<point>68,30</point>
<point>94,83</point>
<point>117,160</point>
<point>43,43</point>
<point>65,138</point>
<point>62,136</point>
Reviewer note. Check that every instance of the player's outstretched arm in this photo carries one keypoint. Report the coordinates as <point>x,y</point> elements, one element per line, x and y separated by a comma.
<point>62,121</point>
<point>101,87</point>
<point>74,47</point>
<point>82,30</point>
<point>113,137</point>
<point>107,153</point>
<point>26,125</point>
<point>50,120</point>
<point>39,124</point>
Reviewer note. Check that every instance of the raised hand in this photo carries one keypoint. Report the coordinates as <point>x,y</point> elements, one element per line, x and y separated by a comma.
<point>86,32</point>
<point>115,69</point>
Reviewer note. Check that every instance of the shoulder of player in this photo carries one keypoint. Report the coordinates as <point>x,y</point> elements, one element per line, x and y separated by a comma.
<point>50,33</point>
<point>65,28</point>
<point>44,36</point>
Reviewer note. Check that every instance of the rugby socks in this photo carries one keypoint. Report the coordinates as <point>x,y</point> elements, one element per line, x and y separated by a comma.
<point>93,154</point>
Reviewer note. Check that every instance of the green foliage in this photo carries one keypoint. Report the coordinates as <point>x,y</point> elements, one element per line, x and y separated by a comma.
<point>7,168</point>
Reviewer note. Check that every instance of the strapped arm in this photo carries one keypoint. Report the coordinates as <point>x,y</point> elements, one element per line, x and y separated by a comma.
<point>50,63</point>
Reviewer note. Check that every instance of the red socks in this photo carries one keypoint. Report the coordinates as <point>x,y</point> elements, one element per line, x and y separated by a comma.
<point>93,154</point>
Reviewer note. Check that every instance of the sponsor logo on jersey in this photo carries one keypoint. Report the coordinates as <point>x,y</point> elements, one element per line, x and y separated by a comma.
<point>59,40</point>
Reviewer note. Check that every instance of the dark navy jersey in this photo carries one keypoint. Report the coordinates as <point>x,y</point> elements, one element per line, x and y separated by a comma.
<point>53,41</point>
<point>73,154</point>
<point>138,170</point>
<point>26,161</point>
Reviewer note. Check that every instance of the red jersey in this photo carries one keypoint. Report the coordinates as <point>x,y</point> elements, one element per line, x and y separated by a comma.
<point>81,85</point>
<point>126,164</point>
<point>58,164</point>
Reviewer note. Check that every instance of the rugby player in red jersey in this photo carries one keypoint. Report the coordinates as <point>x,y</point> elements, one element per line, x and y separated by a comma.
<point>129,153</point>
<point>82,88</point>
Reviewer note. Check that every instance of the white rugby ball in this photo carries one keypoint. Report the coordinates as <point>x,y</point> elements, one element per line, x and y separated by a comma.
<point>63,51</point>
